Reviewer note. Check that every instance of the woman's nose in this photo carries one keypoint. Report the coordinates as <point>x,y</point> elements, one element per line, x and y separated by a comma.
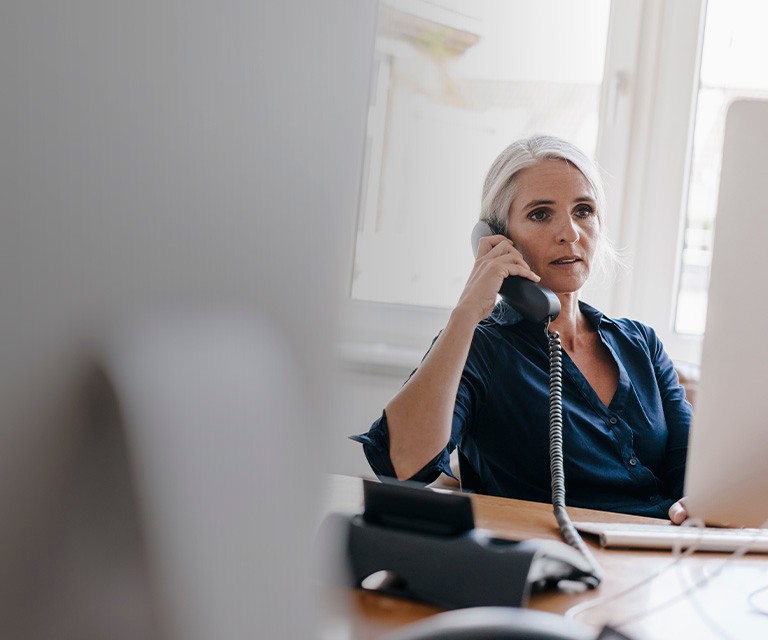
<point>568,232</point>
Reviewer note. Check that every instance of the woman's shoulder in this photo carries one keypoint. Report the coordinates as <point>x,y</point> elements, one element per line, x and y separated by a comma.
<point>629,327</point>
<point>502,332</point>
<point>488,337</point>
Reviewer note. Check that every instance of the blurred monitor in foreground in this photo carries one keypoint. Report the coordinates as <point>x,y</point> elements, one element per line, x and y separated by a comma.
<point>176,181</point>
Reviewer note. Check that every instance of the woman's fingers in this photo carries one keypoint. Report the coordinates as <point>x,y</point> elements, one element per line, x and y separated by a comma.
<point>677,512</point>
<point>494,271</point>
<point>522,270</point>
<point>504,254</point>
<point>497,258</point>
<point>493,245</point>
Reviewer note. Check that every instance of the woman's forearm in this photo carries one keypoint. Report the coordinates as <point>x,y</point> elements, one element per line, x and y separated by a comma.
<point>419,416</point>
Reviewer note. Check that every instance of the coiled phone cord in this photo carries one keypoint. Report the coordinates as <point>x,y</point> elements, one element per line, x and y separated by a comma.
<point>567,530</point>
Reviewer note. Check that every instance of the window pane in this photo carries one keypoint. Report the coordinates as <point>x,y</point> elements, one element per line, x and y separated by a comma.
<point>456,81</point>
<point>732,66</point>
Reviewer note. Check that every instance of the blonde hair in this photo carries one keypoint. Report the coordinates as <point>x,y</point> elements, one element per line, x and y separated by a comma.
<point>500,186</point>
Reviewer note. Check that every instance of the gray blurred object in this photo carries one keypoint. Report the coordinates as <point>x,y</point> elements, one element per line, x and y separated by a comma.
<point>166,156</point>
<point>497,623</point>
<point>177,505</point>
<point>212,408</point>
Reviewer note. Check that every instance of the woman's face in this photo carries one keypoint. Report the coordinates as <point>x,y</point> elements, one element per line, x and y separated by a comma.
<point>553,222</point>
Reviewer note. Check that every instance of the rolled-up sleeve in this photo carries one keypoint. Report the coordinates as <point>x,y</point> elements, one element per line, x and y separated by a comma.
<point>471,391</point>
<point>376,448</point>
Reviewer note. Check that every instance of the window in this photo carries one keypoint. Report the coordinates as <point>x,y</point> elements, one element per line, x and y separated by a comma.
<point>622,79</point>
<point>732,66</point>
<point>455,82</point>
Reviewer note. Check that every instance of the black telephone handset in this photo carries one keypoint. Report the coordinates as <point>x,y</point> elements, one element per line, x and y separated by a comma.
<point>528,298</point>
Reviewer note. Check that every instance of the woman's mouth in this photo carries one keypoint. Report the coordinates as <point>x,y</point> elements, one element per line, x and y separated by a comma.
<point>566,260</point>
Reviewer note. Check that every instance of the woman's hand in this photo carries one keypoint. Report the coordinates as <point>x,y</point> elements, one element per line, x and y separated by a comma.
<point>496,259</point>
<point>677,512</point>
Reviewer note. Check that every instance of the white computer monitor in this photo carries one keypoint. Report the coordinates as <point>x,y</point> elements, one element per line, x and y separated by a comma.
<point>727,470</point>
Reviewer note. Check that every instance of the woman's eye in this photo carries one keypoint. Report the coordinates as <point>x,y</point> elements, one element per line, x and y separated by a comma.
<point>538,215</point>
<point>585,211</point>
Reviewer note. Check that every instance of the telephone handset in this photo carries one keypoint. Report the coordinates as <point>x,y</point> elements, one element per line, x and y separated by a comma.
<point>529,299</point>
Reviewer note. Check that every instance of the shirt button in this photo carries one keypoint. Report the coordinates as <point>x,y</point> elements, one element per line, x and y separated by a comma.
<point>613,420</point>
<point>633,461</point>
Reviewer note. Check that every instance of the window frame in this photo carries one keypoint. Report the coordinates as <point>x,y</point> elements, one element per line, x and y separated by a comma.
<point>659,162</point>
<point>647,112</point>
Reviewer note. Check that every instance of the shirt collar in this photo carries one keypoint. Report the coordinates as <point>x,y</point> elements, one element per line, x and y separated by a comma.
<point>506,316</point>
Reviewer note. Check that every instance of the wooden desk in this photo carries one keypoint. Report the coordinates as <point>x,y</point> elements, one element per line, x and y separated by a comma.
<point>719,608</point>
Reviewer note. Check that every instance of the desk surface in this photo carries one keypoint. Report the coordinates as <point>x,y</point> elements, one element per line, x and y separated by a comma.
<point>662,599</point>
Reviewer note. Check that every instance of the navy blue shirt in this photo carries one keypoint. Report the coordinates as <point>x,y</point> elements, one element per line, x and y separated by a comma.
<point>628,456</point>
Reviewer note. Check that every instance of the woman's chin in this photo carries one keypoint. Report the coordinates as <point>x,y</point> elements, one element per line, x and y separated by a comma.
<point>558,287</point>
<point>564,283</point>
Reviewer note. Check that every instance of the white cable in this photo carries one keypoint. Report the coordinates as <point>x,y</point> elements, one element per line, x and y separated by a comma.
<point>678,556</point>
<point>751,601</point>
<point>687,592</point>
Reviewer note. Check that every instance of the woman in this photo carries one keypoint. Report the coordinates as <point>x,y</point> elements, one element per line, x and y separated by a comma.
<point>484,384</point>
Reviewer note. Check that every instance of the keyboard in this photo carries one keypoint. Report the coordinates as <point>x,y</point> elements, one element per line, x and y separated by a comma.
<point>666,536</point>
